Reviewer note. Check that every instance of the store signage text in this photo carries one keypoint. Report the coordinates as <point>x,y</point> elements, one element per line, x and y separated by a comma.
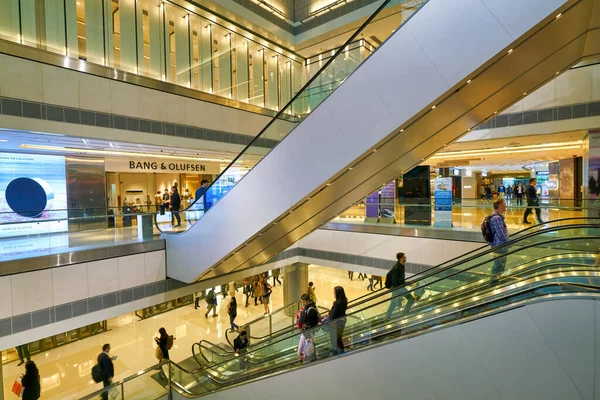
<point>163,166</point>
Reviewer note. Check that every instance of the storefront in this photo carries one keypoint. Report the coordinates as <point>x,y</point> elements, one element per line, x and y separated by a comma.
<point>140,183</point>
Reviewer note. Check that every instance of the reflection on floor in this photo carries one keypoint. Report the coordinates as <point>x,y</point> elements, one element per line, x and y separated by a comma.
<point>66,370</point>
<point>470,213</point>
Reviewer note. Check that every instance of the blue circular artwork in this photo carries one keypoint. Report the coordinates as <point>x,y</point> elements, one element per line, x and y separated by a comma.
<point>29,197</point>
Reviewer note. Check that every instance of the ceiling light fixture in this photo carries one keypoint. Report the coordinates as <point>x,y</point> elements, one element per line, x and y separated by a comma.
<point>74,150</point>
<point>481,153</point>
<point>510,51</point>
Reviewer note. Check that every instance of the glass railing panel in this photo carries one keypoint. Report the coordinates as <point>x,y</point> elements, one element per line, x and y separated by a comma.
<point>148,385</point>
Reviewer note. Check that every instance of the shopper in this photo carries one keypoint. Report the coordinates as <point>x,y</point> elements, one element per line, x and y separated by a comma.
<point>500,238</point>
<point>351,275</point>
<point>508,192</point>
<point>371,279</point>
<point>197,299</point>
<point>266,294</point>
<point>224,289</point>
<point>309,319</point>
<point>378,280</point>
<point>108,368</point>
<point>31,382</point>
<point>164,342</point>
<point>248,291</point>
<point>23,352</point>
<point>311,292</point>
<point>395,280</point>
<point>501,190</point>
<point>240,346</point>
<point>257,291</point>
<point>337,318</point>
<point>200,192</point>
<point>232,311</point>
<point>211,304</point>
<point>533,201</point>
<point>276,273</point>
<point>166,199</point>
<point>175,206</point>
<point>519,190</point>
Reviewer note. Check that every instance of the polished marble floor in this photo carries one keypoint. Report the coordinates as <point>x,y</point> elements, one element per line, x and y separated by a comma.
<point>66,370</point>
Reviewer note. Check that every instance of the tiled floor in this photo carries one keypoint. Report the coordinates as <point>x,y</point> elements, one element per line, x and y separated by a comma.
<point>66,371</point>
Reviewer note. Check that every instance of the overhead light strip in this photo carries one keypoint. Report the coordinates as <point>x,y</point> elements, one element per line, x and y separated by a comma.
<point>493,150</point>
<point>505,151</point>
<point>118,153</point>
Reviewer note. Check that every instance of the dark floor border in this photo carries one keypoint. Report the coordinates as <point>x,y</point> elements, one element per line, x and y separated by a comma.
<point>573,111</point>
<point>49,112</point>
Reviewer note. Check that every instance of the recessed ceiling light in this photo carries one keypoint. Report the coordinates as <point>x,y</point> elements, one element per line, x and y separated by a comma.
<point>559,15</point>
<point>469,81</point>
<point>401,130</point>
<point>510,51</point>
<point>433,107</point>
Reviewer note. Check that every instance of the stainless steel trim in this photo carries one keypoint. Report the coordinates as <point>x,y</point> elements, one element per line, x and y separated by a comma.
<point>58,60</point>
<point>401,230</point>
<point>77,257</point>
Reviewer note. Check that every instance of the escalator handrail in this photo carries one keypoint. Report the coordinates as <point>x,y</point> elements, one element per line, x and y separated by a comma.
<point>306,86</point>
<point>486,249</point>
<point>408,291</point>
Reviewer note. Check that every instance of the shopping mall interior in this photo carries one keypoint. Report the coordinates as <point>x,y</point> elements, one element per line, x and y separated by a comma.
<point>156,152</point>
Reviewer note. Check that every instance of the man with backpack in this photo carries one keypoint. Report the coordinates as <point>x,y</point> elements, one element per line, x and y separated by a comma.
<point>395,280</point>
<point>211,304</point>
<point>104,370</point>
<point>495,233</point>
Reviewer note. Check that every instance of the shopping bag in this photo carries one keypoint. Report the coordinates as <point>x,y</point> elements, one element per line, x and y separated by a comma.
<point>158,354</point>
<point>17,388</point>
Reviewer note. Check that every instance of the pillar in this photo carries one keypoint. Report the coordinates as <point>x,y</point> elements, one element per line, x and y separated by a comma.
<point>295,284</point>
<point>591,172</point>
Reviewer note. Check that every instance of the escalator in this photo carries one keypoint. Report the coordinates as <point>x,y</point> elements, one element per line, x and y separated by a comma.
<point>445,68</point>
<point>555,264</point>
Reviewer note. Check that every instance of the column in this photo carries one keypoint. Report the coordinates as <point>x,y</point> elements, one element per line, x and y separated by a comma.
<point>591,173</point>
<point>295,284</point>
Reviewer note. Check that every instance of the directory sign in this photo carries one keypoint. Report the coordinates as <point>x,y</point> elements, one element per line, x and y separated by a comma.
<point>388,200</point>
<point>33,194</point>
<point>443,202</point>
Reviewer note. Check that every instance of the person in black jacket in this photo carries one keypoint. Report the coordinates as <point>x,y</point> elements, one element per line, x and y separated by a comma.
<point>532,202</point>
<point>397,276</point>
<point>162,342</point>
<point>337,318</point>
<point>108,368</point>
<point>240,344</point>
<point>31,382</point>
<point>175,206</point>
<point>310,315</point>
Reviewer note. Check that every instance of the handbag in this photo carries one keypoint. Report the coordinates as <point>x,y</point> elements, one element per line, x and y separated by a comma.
<point>158,354</point>
<point>17,388</point>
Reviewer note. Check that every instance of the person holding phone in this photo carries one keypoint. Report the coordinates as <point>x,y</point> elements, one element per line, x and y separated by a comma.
<point>106,361</point>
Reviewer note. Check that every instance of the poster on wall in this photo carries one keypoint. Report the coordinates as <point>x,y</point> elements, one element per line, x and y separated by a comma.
<point>388,200</point>
<point>33,194</point>
<point>443,202</point>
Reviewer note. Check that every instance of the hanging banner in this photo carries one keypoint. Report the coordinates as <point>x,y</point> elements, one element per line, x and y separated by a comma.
<point>443,202</point>
<point>161,166</point>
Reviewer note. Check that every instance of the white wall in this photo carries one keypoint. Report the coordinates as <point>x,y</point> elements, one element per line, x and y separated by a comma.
<point>37,290</point>
<point>544,351</point>
<point>29,80</point>
<point>418,250</point>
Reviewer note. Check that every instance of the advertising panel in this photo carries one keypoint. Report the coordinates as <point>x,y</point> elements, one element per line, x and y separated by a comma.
<point>388,200</point>
<point>443,202</point>
<point>372,205</point>
<point>33,194</point>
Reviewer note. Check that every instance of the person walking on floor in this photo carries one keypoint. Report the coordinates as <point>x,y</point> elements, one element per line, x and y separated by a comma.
<point>337,318</point>
<point>351,275</point>
<point>266,294</point>
<point>257,291</point>
<point>31,382</point>
<point>499,239</point>
<point>371,279</point>
<point>175,206</point>
<point>164,342</point>
<point>108,368</point>
<point>533,201</point>
<point>519,191</point>
<point>311,292</point>
<point>395,280</point>
<point>211,304</point>
<point>232,311</point>
<point>276,273</point>
<point>23,352</point>
<point>378,280</point>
